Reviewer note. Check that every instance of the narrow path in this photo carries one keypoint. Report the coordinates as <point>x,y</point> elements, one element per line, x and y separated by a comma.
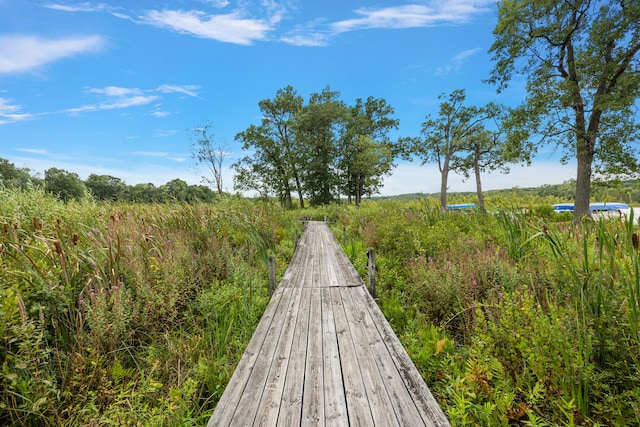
<point>323,354</point>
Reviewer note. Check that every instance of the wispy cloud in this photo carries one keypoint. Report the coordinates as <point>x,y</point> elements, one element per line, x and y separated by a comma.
<point>22,53</point>
<point>437,12</point>
<point>190,90</point>
<point>309,34</point>
<point>160,155</point>
<point>230,28</point>
<point>165,133</point>
<point>11,113</point>
<point>217,3</point>
<point>88,7</point>
<point>109,98</point>
<point>38,151</point>
<point>79,7</point>
<point>427,14</point>
<point>456,62</point>
<point>115,98</point>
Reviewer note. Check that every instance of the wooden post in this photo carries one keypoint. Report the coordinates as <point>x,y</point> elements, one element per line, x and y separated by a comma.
<point>272,274</point>
<point>295,240</point>
<point>372,271</point>
<point>344,236</point>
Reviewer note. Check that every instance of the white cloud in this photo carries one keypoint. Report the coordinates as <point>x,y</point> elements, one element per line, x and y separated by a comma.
<point>436,12</point>
<point>456,62</point>
<point>22,53</point>
<point>80,7</point>
<point>217,3</point>
<point>160,154</point>
<point>11,113</point>
<point>165,133</point>
<point>115,91</point>
<point>311,39</point>
<point>189,90</point>
<point>88,7</point>
<point>230,28</point>
<point>116,98</point>
<point>431,13</point>
<point>38,151</point>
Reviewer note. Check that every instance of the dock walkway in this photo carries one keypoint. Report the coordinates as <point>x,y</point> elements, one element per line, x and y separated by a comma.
<point>323,354</point>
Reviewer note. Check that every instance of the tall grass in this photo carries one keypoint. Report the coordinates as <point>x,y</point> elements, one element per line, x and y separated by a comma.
<point>127,314</point>
<point>532,320</point>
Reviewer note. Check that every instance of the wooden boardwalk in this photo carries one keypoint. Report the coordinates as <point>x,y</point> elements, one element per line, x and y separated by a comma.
<point>323,354</point>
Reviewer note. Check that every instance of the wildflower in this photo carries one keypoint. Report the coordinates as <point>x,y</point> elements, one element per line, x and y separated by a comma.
<point>500,296</point>
<point>80,301</point>
<point>474,283</point>
<point>114,288</point>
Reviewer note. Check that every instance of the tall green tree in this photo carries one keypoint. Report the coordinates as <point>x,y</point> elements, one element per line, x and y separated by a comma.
<point>485,152</point>
<point>319,127</point>
<point>13,177</point>
<point>66,185</point>
<point>274,165</point>
<point>106,187</point>
<point>444,138</point>
<point>583,79</point>
<point>145,192</point>
<point>365,152</point>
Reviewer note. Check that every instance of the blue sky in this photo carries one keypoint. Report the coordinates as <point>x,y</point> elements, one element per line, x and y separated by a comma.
<point>115,87</point>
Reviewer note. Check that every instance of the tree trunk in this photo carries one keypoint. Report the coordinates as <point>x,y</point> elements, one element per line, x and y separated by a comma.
<point>443,189</point>
<point>584,157</point>
<point>300,197</point>
<point>287,194</point>
<point>476,168</point>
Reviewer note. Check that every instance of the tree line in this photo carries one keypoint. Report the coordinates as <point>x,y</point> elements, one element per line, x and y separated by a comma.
<point>69,186</point>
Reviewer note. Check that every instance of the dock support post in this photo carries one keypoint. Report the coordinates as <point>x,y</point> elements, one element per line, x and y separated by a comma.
<point>295,240</point>
<point>272,274</point>
<point>372,271</point>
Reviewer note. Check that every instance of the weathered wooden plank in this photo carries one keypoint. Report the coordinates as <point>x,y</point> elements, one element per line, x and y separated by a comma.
<point>358,408</point>
<point>313,394</point>
<point>228,403</point>
<point>403,404</point>
<point>248,404</point>
<point>291,406</point>
<point>427,405</point>
<point>335,407</point>
<point>269,407</point>
<point>379,401</point>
